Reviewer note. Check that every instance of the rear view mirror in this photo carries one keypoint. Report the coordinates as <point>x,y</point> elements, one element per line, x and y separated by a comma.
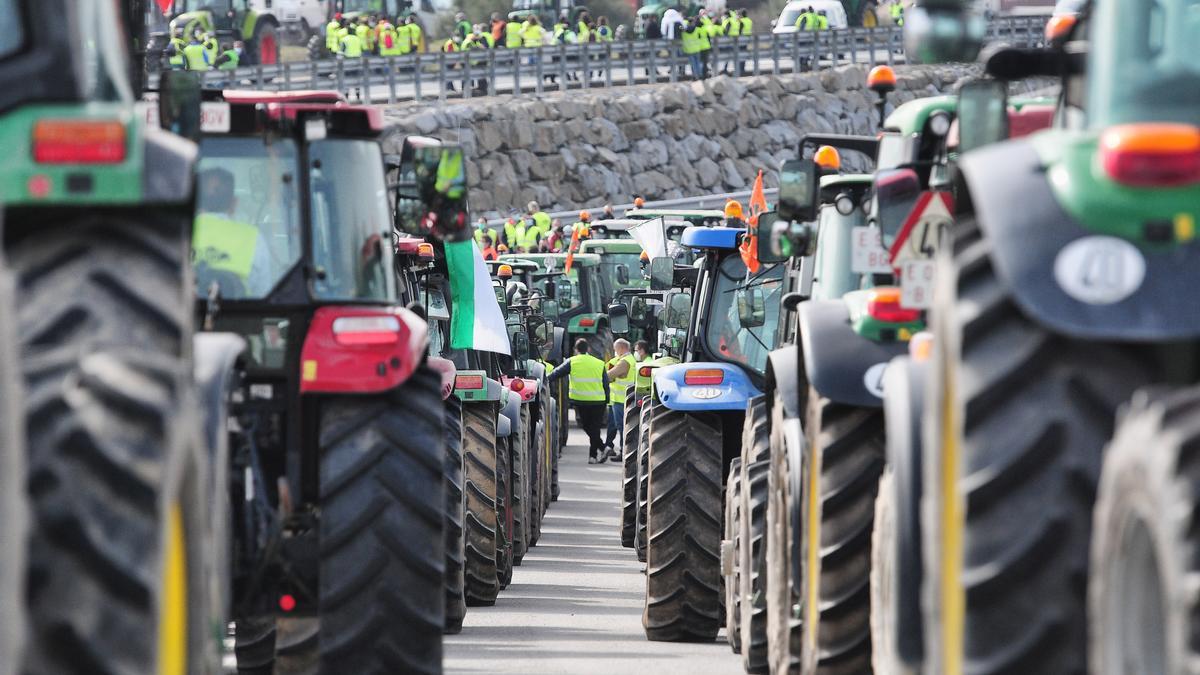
<point>798,190</point>
<point>618,318</point>
<point>520,347</point>
<point>441,176</point>
<point>662,274</point>
<point>562,291</point>
<point>982,114</point>
<point>637,309</point>
<point>679,310</point>
<point>896,193</point>
<point>752,307</point>
<point>622,274</point>
<point>538,337</point>
<point>765,233</point>
<point>179,103</point>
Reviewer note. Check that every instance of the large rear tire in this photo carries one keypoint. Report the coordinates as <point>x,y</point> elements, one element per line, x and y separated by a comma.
<point>104,327</point>
<point>846,446</point>
<point>784,609</point>
<point>504,509</point>
<point>14,504</point>
<point>600,343</point>
<point>639,541</point>
<point>383,547</point>
<point>752,510</point>
<point>730,569</point>
<point>629,480</point>
<point>1018,419</point>
<point>1142,601</point>
<point>482,527</point>
<point>263,48</point>
<point>522,511</point>
<point>683,567</point>
<point>254,645</point>
<point>456,608</point>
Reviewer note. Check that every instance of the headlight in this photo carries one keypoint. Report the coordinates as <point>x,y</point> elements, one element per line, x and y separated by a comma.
<point>844,204</point>
<point>939,123</point>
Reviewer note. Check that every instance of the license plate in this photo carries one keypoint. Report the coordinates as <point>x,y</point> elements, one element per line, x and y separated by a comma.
<point>867,254</point>
<point>214,115</point>
<point>916,284</point>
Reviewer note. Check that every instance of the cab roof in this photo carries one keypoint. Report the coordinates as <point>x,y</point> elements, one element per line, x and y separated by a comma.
<point>343,119</point>
<point>910,118</point>
<point>611,245</point>
<point>581,259</point>
<point>850,179</point>
<point>684,214</point>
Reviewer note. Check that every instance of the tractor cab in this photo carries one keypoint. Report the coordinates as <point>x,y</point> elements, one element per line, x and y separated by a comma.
<point>621,264</point>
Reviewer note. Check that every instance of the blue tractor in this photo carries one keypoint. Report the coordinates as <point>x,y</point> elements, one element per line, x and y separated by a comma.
<point>696,419</point>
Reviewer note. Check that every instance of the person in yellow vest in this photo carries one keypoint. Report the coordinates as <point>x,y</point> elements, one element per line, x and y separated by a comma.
<point>581,225</point>
<point>514,229</point>
<point>641,350</point>
<point>225,249</point>
<point>897,11</point>
<point>747,24</point>
<point>822,21</point>
<point>363,32</point>
<point>622,369</point>
<point>705,47</point>
<point>331,33</point>
<point>541,219</point>
<point>731,24</point>
<point>212,47</point>
<point>482,230</point>
<point>414,34</point>
<point>389,40</point>
<point>196,55</point>
<point>690,45</point>
<point>174,50</point>
<point>404,37</point>
<point>533,35</point>
<point>350,45</point>
<point>583,32</point>
<point>588,391</point>
<point>531,238</point>
<point>512,34</point>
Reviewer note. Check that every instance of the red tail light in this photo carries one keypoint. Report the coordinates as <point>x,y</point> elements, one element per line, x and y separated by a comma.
<point>366,330</point>
<point>468,382</point>
<point>645,371</point>
<point>517,384</point>
<point>587,323</point>
<point>883,304</point>
<point>704,376</point>
<point>287,602</point>
<point>79,142</point>
<point>425,250</point>
<point>1152,155</point>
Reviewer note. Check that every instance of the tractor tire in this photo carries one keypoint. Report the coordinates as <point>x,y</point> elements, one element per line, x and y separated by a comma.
<point>683,567</point>
<point>564,427</point>
<point>1018,418</point>
<point>504,510</point>
<point>103,323</point>
<point>456,608</point>
<point>483,535</point>
<point>317,50</point>
<point>383,547</point>
<point>629,481</point>
<point>1142,605</point>
<point>263,48</point>
<point>884,650</point>
<point>14,503</point>
<point>600,343</point>
<point>846,447</point>
<point>639,540</point>
<point>522,513</point>
<point>254,645</point>
<point>537,471</point>
<point>751,553</point>
<point>730,569</point>
<point>298,646</point>
<point>784,623</point>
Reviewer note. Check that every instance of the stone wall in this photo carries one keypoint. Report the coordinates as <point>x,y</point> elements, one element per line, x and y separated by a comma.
<point>582,149</point>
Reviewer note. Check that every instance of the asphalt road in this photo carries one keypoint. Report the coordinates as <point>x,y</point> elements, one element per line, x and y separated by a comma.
<point>575,603</point>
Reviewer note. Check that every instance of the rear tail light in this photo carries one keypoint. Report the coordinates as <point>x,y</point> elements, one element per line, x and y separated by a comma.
<point>883,304</point>
<point>468,382</point>
<point>425,250</point>
<point>366,330</point>
<point>1152,155</point>
<point>704,376</point>
<point>644,371</point>
<point>587,323</point>
<point>78,142</point>
<point>517,384</point>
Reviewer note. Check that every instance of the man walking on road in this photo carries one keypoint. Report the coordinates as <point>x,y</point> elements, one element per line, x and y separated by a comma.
<point>622,369</point>
<point>588,391</point>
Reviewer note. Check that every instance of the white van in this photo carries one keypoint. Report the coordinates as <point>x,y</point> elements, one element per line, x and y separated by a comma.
<point>834,11</point>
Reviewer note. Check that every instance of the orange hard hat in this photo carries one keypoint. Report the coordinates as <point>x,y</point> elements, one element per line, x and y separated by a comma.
<point>638,202</point>
<point>645,256</point>
<point>584,215</point>
<point>827,158</point>
<point>881,80</point>
<point>733,209</point>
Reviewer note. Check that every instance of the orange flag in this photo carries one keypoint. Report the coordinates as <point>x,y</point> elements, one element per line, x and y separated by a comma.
<point>758,206</point>
<point>571,249</point>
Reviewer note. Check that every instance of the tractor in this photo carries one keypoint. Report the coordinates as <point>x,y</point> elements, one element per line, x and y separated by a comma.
<point>227,21</point>
<point>105,514</point>
<point>1047,459</point>
<point>321,400</point>
<point>547,11</point>
<point>697,410</point>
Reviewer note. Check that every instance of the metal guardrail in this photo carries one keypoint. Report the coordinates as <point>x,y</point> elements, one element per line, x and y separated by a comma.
<point>710,201</point>
<point>460,75</point>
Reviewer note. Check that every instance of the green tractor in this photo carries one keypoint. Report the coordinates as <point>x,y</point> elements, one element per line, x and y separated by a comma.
<point>229,20</point>
<point>97,329</point>
<point>1061,294</point>
<point>547,11</point>
<point>574,300</point>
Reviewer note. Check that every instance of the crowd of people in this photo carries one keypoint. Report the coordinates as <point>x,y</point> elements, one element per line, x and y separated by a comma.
<point>200,50</point>
<point>533,231</point>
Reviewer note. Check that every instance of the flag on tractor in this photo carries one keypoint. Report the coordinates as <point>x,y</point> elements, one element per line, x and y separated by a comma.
<point>758,206</point>
<point>475,318</point>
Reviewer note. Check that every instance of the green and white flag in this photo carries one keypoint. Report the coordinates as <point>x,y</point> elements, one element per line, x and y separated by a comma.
<point>475,319</point>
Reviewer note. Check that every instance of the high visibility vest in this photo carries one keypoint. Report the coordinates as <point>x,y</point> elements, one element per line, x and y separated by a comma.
<point>747,26</point>
<point>224,244</point>
<point>620,388</point>
<point>177,60</point>
<point>586,379</point>
<point>532,36</point>
<point>232,58</point>
<point>529,238</point>
<point>463,28</point>
<point>404,41</point>
<point>559,29</point>
<point>331,35</point>
<point>196,56</point>
<point>490,232</point>
<point>366,36</point>
<point>711,27</point>
<point>414,36</point>
<point>581,32</point>
<point>541,220</point>
<point>211,47</point>
<point>733,27</point>
<point>897,13</point>
<point>822,22</point>
<point>513,232</point>
<point>512,34</point>
<point>702,39</point>
<point>389,42</point>
<point>690,41</point>
<point>449,45</point>
<point>352,47</point>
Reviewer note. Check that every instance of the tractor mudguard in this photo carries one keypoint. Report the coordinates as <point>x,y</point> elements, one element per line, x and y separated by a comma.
<point>537,370</point>
<point>905,383</point>
<point>783,377</point>
<point>216,373</point>
<point>558,345</point>
<point>510,410</point>
<point>169,163</point>
<point>1027,230</point>
<point>794,444</point>
<point>842,365</point>
<point>732,393</point>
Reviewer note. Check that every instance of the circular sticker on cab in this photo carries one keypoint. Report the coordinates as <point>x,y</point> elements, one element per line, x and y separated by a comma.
<point>1100,270</point>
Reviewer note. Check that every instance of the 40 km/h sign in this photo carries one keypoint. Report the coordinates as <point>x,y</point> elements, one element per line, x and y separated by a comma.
<point>912,252</point>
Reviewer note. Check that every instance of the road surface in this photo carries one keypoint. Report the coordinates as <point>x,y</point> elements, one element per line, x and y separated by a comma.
<point>575,603</point>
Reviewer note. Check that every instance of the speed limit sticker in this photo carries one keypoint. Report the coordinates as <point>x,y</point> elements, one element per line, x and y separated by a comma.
<point>867,254</point>
<point>916,284</point>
